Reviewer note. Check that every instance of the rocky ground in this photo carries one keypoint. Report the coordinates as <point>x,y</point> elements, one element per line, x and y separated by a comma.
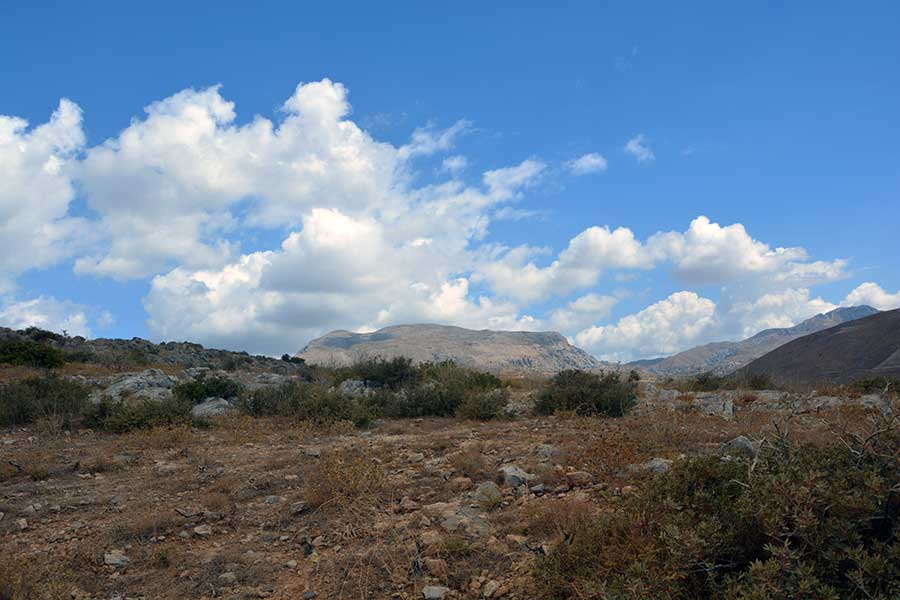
<point>424,508</point>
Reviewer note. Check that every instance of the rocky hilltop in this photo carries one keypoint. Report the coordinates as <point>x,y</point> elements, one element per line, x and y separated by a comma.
<point>860,349</point>
<point>138,352</point>
<point>498,351</point>
<point>722,358</point>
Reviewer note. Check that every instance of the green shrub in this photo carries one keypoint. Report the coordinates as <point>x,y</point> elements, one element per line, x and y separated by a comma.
<point>449,373</point>
<point>710,382</point>
<point>30,354</point>
<point>42,397</point>
<point>119,416</point>
<point>483,405</point>
<point>587,394</point>
<point>430,398</point>
<point>306,402</point>
<point>803,522</point>
<point>198,390</point>
<point>877,385</point>
<point>392,373</point>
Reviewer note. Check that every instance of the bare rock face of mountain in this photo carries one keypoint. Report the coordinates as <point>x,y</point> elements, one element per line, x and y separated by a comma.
<point>867,347</point>
<point>498,351</point>
<point>722,358</point>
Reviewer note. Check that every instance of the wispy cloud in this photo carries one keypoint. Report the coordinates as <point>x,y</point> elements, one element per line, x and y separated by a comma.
<point>586,164</point>
<point>639,148</point>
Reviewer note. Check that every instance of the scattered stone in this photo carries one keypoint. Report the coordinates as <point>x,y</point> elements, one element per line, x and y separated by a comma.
<point>211,407</point>
<point>407,504</point>
<point>150,384</point>
<point>548,452</point>
<point>740,446</point>
<point>22,524</point>
<point>434,592</point>
<point>273,499</point>
<point>291,564</point>
<point>579,478</point>
<point>513,476</point>
<point>487,492</point>
<point>460,484</point>
<point>415,457</point>
<point>437,567</point>
<point>354,387</point>
<point>298,508</point>
<point>657,465</point>
<point>228,578</point>
<point>115,558</point>
<point>203,530</point>
<point>489,589</point>
<point>312,451</point>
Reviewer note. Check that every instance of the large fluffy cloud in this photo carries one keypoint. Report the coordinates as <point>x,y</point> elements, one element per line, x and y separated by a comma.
<point>48,313</point>
<point>368,238</point>
<point>35,191</point>
<point>872,294</point>
<point>682,319</point>
<point>336,271</point>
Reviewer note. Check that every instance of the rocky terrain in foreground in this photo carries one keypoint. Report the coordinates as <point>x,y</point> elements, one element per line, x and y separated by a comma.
<point>496,351</point>
<point>425,508</point>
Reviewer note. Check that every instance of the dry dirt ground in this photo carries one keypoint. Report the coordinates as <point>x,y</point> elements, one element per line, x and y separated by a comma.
<point>263,508</point>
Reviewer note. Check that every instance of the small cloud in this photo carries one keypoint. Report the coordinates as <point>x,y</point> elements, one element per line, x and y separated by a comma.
<point>589,163</point>
<point>508,213</point>
<point>454,164</point>
<point>428,140</point>
<point>638,148</point>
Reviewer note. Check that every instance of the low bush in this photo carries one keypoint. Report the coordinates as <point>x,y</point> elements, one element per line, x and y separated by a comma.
<point>306,402</point>
<point>710,382</point>
<point>343,480</point>
<point>483,405</point>
<point>50,398</point>
<point>430,398</point>
<point>30,353</point>
<point>587,394</point>
<point>451,374</point>
<point>121,416</point>
<point>392,373</point>
<point>802,522</point>
<point>198,390</point>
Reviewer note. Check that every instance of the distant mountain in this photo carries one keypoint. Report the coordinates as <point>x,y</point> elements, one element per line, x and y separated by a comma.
<point>866,347</point>
<point>498,351</point>
<point>723,358</point>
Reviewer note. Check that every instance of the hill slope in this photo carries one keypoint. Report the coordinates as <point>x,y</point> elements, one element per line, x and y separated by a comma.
<point>722,358</point>
<point>867,347</point>
<point>544,352</point>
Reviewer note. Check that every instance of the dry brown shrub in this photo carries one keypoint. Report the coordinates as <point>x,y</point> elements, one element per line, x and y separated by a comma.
<point>141,525</point>
<point>554,517</point>
<point>217,502</point>
<point>163,437</point>
<point>345,479</point>
<point>471,462</point>
<point>22,579</point>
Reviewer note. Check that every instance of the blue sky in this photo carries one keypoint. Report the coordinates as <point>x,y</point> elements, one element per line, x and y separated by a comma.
<point>368,200</point>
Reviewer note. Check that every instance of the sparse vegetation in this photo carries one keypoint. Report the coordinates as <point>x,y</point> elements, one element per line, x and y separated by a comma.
<point>585,393</point>
<point>30,353</point>
<point>122,416</point>
<point>50,398</point>
<point>800,522</point>
<point>198,390</point>
<point>483,405</point>
<point>306,402</point>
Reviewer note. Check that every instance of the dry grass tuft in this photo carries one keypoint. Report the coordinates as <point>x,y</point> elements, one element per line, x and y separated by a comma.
<point>343,479</point>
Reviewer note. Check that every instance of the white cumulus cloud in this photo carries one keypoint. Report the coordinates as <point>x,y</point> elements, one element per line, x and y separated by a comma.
<point>639,148</point>
<point>586,164</point>
<point>872,294</point>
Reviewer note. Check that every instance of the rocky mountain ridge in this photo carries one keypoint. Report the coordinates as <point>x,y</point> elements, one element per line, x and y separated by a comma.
<point>859,349</point>
<point>723,358</point>
<point>497,351</point>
